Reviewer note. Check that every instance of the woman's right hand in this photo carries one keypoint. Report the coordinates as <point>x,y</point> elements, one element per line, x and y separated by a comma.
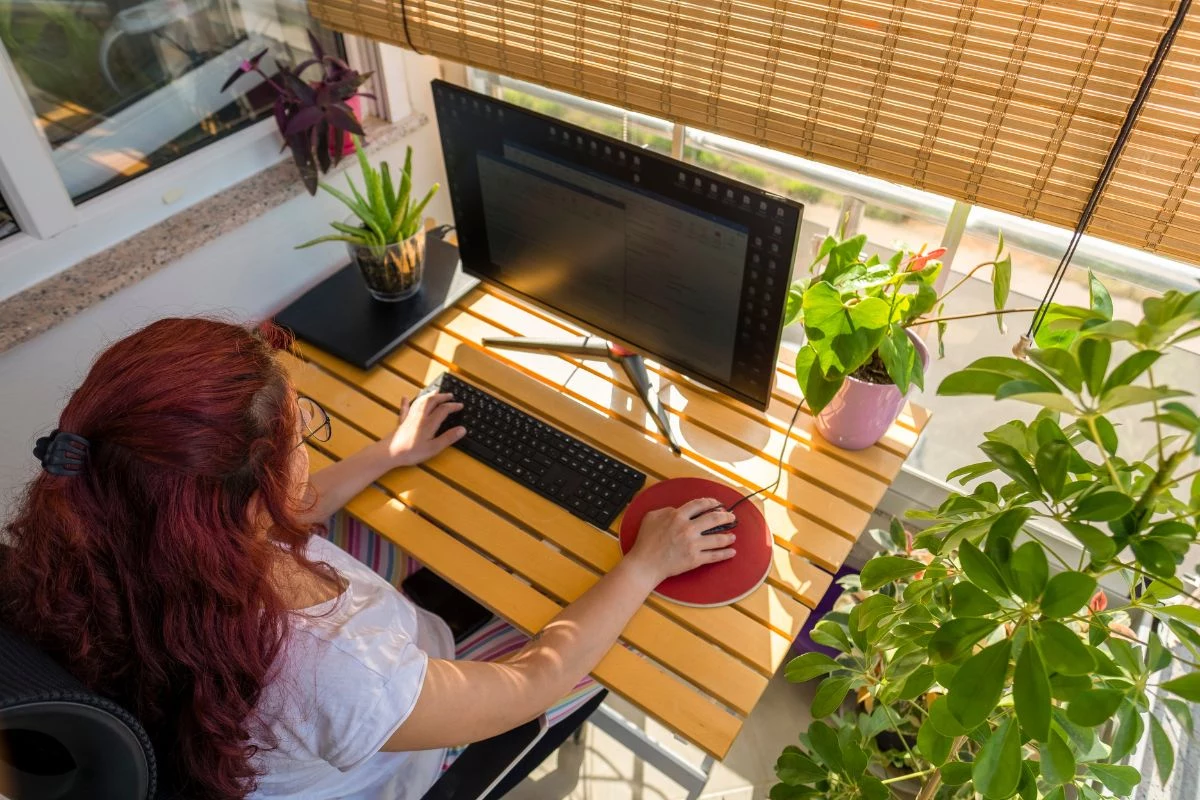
<point>671,542</point>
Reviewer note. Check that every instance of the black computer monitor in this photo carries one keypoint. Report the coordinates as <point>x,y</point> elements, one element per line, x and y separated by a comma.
<point>684,265</point>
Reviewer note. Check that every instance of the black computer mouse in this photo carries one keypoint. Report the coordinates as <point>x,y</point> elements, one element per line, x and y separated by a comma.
<point>717,528</point>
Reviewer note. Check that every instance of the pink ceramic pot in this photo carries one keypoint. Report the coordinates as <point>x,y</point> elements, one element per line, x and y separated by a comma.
<point>861,412</point>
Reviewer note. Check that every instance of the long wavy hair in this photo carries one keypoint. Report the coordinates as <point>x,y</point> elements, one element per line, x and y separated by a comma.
<point>145,575</point>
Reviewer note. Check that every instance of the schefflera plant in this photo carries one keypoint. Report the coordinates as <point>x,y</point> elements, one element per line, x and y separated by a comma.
<point>999,664</point>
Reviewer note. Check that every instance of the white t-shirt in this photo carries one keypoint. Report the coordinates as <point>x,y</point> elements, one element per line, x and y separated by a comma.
<point>350,675</point>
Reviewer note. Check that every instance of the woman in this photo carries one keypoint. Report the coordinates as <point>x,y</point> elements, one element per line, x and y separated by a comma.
<point>164,556</point>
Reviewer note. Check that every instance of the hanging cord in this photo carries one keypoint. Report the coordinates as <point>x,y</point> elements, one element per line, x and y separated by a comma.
<point>779,469</point>
<point>1139,99</point>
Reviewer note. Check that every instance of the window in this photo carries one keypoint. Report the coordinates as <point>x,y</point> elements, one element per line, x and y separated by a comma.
<point>119,89</point>
<point>895,216</point>
<point>639,129</point>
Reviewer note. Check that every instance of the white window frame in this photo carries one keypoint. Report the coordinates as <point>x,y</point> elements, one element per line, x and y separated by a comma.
<point>56,234</point>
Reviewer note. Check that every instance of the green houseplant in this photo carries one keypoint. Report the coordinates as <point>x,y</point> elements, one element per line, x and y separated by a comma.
<point>860,355</point>
<point>996,674</point>
<point>385,233</point>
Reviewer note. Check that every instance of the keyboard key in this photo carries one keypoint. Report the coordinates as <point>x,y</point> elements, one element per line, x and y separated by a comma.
<point>588,483</point>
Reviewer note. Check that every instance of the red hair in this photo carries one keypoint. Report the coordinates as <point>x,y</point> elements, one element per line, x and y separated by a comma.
<point>145,575</point>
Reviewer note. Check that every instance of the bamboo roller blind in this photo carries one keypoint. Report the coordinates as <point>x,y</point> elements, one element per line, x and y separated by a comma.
<point>1009,104</point>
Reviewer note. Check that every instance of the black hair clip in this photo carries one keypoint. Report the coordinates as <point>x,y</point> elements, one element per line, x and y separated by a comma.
<point>61,453</point>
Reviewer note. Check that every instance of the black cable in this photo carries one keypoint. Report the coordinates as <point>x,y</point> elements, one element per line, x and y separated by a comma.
<point>1139,99</point>
<point>779,470</point>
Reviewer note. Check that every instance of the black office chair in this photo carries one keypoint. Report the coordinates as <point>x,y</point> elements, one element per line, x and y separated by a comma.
<point>59,741</point>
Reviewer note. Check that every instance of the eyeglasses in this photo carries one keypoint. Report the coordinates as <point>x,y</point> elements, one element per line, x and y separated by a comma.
<point>316,423</point>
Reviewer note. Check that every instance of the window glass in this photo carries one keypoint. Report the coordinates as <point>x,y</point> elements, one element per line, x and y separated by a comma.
<point>639,129</point>
<point>119,88</point>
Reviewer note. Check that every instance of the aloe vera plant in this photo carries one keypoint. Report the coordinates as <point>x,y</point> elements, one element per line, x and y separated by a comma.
<point>386,211</point>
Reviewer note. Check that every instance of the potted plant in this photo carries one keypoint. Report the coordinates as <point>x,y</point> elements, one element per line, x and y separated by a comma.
<point>861,355</point>
<point>1021,678</point>
<point>315,117</point>
<point>385,233</point>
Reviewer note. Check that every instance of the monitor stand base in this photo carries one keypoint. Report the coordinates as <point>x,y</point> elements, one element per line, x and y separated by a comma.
<point>631,362</point>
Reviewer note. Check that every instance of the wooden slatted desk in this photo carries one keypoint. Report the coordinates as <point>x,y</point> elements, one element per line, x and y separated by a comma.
<point>698,671</point>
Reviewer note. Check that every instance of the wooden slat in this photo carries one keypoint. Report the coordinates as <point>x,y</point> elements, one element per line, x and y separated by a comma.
<point>727,626</point>
<point>804,536</point>
<point>642,451</point>
<point>677,705</point>
<point>881,461</point>
<point>719,673</point>
<point>689,407</point>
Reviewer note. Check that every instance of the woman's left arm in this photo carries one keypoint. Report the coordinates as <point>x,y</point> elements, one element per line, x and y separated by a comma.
<point>414,440</point>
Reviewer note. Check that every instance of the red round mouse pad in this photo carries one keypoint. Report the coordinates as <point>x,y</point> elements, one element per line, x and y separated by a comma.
<point>712,584</point>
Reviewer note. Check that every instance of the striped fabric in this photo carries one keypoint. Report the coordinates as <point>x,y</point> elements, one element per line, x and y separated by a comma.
<point>492,642</point>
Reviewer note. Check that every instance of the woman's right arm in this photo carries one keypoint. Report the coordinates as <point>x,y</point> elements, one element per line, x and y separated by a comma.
<point>466,701</point>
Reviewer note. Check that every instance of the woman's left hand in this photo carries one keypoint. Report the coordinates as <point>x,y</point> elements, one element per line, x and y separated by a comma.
<point>415,438</point>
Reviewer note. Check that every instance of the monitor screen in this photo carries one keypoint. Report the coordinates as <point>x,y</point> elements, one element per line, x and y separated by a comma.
<point>685,266</point>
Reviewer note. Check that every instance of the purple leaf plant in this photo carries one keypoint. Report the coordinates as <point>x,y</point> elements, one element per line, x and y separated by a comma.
<point>309,112</point>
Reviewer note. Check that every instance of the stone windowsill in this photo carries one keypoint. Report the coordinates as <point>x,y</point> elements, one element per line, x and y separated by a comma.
<point>43,305</point>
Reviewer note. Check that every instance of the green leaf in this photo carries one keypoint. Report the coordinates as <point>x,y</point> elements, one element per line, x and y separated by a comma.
<point>884,569</point>
<point>1062,650</point>
<point>1101,546</point>
<point>1164,751</point>
<point>1001,281</point>
<point>1120,780</point>
<point>831,634</point>
<point>1057,760</point>
<point>825,744</point>
<point>1015,369</point>
<point>1129,732</point>
<point>829,695</point>
<point>817,388</point>
<point>1104,505</point>
<point>1154,558</point>
<point>412,220</point>
<point>997,770</point>
<point>1188,614</point>
<point>899,355</point>
<point>1121,396</point>
<point>1012,464</point>
<point>956,773</point>
<point>975,691</point>
<point>1023,392</point>
<point>1094,707</point>
<point>1100,300</point>
<point>941,718</point>
<point>1181,711</point>
<point>1051,466</point>
<point>871,788</point>
<point>843,335</point>
<point>794,768</point>
<point>1060,363</point>
<point>1066,593</point>
<point>972,381</point>
<point>1031,693</point>
<point>808,666</point>
<point>1128,370</point>
<point>968,600</point>
<point>932,744</point>
<point>956,637</point>
<point>917,683</point>
<point>1186,686</point>
<point>981,571</point>
<point>1029,570</point>
<point>792,307</point>
<point>1093,361</point>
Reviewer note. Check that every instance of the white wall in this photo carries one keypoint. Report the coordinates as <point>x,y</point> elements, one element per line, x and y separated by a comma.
<point>245,275</point>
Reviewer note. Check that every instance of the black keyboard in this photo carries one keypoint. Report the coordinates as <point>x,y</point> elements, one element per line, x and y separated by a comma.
<point>591,485</point>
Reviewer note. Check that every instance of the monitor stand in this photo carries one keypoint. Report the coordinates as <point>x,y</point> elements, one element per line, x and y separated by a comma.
<point>634,365</point>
